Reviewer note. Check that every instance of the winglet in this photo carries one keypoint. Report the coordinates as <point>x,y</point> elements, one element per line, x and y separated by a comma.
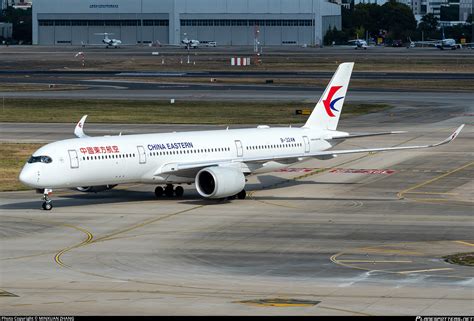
<point>452,137</point>
<point>79,130</point>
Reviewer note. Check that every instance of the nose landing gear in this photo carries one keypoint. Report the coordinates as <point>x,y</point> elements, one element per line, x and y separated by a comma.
<point>47,202</point>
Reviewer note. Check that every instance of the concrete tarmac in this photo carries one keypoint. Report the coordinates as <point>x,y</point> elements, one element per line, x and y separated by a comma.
<point>329,237</point>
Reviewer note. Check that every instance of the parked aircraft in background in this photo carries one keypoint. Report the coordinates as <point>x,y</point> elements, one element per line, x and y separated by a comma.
<point>444,43</point>
<point>359,44</point>
<point>217,161</point>
<point>190,43</point>
<point>114,43</point>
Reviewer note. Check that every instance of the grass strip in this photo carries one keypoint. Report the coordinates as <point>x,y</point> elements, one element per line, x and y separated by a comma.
<point>163,112</point>
<point>461,259</point>
<point>12,159</point>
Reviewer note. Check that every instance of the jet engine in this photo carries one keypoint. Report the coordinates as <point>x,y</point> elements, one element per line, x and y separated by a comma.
<point>94,189</point>
<point>219,182</point>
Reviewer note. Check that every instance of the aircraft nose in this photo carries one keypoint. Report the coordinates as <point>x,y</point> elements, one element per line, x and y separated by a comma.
<point>28,176</point>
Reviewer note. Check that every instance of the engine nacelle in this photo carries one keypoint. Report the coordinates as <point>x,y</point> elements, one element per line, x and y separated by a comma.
<point>94,189</point>
<point>219,182</point>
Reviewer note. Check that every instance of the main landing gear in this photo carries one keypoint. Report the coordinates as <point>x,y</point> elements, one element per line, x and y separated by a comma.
<point>47,202</point>
<point>169,191</point>
<point>241,195</point>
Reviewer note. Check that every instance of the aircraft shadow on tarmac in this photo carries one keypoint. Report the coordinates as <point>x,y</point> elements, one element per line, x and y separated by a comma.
<point>271,182</point>
<point>190,198</point>
<point>83,200</point>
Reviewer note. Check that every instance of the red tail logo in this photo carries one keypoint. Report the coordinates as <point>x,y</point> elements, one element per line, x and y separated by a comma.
<point>329,102</point>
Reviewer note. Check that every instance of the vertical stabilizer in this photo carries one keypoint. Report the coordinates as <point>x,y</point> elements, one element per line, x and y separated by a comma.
<point>328,110</point>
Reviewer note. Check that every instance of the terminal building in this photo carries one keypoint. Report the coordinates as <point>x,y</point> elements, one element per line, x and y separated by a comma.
<point>227,22</point>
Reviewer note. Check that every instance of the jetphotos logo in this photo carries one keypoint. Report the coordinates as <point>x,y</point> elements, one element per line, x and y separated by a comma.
<point>329,102</point>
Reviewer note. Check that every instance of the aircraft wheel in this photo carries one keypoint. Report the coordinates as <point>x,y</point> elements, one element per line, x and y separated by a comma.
<point>159,191</point>
<point>179,191</point>
<point>242,195</point>
<point>47,206</point>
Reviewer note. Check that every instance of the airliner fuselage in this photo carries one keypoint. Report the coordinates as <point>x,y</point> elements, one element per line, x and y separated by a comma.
<point>153,158</point>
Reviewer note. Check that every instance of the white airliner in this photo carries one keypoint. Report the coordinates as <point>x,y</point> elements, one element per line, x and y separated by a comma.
<point>444,43</point>
<point>216,161</point>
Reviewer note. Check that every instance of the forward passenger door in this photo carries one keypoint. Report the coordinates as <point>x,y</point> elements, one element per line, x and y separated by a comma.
<point>73,158</point>
<point>239,148</point>
<point>141,155</point>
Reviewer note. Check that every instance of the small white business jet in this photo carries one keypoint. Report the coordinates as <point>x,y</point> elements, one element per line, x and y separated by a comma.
<point>190,43</point>
<point>216,161</point>
<point>114,43</point>
<point>359,44</point>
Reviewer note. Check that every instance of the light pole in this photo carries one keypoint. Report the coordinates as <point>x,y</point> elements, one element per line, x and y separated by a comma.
<point>187,44</point>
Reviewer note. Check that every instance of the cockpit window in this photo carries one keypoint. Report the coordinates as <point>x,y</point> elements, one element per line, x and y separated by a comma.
<point>40,159</point>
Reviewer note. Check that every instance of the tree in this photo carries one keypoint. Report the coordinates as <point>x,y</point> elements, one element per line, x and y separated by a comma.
<point>22,23</point>
<point>336,36</point>
<point>398,20</point>
<point>430,22</point>
<point>429,25</point>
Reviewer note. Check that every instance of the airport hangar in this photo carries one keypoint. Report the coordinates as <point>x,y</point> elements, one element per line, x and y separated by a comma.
<point>227,22</point>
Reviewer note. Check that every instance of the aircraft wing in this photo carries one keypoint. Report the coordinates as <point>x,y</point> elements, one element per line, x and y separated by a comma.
<point>428,43</point>
<point>189,169</point>
<point>352,151</point>
<point>365,135</point>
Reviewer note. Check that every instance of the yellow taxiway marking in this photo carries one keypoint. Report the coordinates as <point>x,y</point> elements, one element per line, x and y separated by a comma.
<point>343,310</point>
<point>317,171</point>
<point>431,193</point>
<point>452,202</point>
<point>401,193</point>
<point>90,238</point>
<point>427,270</point>
<point>390,251</point>
<point>148,222</point>
<point>313,173</point>
<point>57,257</point>
<point>85,301</point>
<point>374,261</point>
<point>465,243</point>
<point>282,305</point>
